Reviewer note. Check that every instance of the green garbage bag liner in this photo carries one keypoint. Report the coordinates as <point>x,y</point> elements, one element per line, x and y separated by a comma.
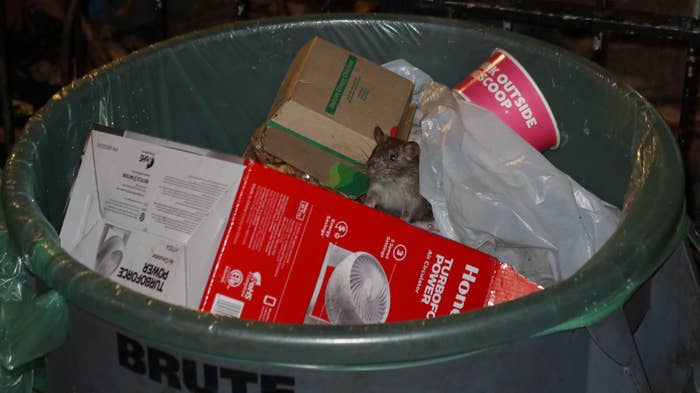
<point>30,324</point>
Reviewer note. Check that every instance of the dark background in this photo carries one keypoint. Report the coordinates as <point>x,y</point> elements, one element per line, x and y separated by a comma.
<point>51,42</point>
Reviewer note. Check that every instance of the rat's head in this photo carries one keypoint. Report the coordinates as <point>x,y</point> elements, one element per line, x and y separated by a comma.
<point>392,156</point>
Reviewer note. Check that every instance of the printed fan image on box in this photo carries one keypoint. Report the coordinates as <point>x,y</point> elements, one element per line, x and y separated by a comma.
<point>351,289</point>
<point>110,250</point>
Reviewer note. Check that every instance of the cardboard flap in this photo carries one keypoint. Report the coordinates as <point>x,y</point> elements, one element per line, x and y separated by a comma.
<point>349,89</point>
<point>305,124</point>
<point>289,82</point>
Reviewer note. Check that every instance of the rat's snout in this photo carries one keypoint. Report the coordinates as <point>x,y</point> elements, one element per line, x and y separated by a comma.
<point>373,166</point>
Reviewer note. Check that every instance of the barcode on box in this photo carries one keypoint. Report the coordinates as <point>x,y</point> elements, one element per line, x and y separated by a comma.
<point>226,306</point>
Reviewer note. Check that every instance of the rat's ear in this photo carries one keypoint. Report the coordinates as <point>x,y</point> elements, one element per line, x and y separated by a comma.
<point>410,150</point>
<point>379,135</point>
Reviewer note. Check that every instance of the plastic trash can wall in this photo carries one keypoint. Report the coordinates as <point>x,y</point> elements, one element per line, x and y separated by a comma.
<point>30,324</point>
<point>213,88</point>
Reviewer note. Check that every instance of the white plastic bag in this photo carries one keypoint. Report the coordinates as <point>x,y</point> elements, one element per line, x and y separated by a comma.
<point>491,190</point>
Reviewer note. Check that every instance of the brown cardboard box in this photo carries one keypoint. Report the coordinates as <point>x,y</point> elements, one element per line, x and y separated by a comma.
<point>327,107</point>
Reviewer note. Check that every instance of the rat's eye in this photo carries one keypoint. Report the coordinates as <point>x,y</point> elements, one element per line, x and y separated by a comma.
<point>392,157</point>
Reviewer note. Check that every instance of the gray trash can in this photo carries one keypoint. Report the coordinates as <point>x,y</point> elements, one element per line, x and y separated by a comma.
<point>596,331</point>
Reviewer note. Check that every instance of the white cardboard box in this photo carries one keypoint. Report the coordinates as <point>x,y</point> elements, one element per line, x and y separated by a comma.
<point>149,213</point>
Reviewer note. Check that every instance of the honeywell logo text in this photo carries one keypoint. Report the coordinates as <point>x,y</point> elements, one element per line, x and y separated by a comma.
<point>437,282</point>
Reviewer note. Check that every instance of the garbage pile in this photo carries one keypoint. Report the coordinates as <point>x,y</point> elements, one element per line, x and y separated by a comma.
<point>369,194</point>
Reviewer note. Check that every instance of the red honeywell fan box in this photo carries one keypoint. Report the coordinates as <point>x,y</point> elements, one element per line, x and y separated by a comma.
<point>295,253</point>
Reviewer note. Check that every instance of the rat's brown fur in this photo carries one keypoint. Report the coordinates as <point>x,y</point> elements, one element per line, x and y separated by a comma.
<point>393,179</point>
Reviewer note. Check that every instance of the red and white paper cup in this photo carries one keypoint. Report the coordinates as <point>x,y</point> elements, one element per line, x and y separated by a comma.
<point>502,86</point>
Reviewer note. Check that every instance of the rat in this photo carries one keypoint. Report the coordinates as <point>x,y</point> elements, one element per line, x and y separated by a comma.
<point>393,179</point>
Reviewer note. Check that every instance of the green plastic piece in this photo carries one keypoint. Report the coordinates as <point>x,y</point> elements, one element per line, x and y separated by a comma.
<point>213,88</point>
<point>347,180</point>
